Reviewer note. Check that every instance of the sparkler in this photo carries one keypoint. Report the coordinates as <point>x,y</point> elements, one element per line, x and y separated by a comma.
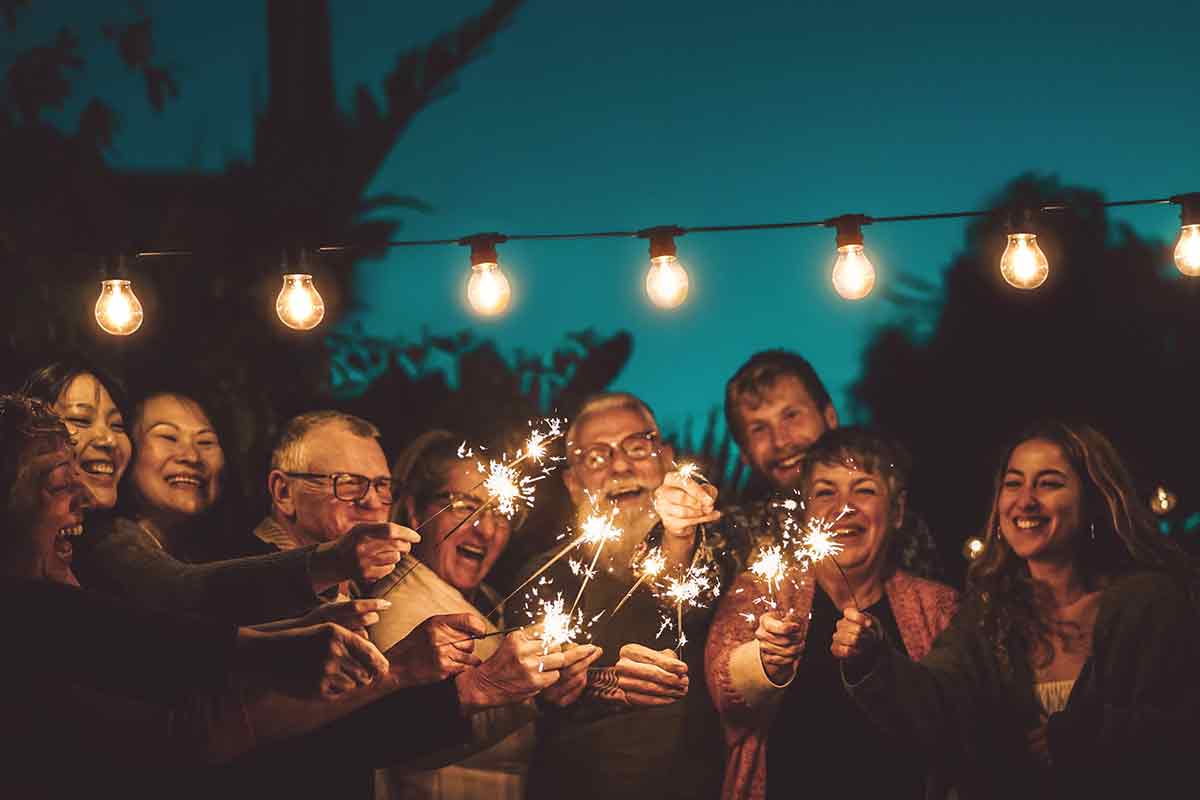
<point>770,568</point>
<point>692,588</point>
<point>653,564</point>
<point>817,544</point>
<point>502,480</point>
<point>593,533</point>
<point>599,529</point>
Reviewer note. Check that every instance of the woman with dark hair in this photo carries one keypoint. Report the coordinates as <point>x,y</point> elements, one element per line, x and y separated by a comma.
<point>90,401</point>
<point>445,574</point>
<point>1072,668</point>
<point>103,695</point>
<point>789,727</point>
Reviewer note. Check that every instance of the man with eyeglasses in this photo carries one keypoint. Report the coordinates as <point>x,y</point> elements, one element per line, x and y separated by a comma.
<point>329,483</point>
<point>644,726</point>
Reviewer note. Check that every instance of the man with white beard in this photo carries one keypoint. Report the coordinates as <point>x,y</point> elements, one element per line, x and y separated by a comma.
<point>643,727</point>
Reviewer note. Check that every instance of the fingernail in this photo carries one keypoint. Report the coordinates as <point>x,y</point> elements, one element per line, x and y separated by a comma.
<point>385,603</point>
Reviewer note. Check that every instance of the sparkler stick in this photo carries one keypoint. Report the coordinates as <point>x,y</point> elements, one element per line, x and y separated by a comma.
<point>479,636</point>
<point>818,545</point>
<point>541,569</point>
<point>599,529</point>
<point>652,565</point>
<point>770,567</point>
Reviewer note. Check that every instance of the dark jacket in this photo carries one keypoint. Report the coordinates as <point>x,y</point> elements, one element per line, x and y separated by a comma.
<point>1130,724</point>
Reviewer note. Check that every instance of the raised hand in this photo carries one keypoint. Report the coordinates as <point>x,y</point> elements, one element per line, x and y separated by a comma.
<point>780,645</point>
<point>682,503</point>
<point>370,550</point>
<point>433,651</point>
<point>856,638</point>
<point>642,677</point>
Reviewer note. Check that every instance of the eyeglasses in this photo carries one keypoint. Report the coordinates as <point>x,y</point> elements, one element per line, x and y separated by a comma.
<point>464,505</point>
<point>351,487</point>
<point>635,446</point>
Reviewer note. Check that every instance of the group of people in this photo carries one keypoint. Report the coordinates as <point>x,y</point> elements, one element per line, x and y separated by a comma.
<point>337,652</point>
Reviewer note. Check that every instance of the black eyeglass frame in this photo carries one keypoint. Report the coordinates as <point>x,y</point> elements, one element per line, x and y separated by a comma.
<point>339,479</point>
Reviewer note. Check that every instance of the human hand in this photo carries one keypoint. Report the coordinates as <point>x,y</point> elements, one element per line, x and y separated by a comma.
<point>370,550</point>
<point>434,650</point>
<point>856,637</point>
<point>642,677</point>
<point>519,669</point>
<point>357,615</point>
<point>682,503</point>
<point>573,677</point>
<point>780,645</point>
<point>319,661</point>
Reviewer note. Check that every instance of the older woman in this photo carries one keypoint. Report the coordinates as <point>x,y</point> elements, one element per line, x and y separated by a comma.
<point>114,693</point>
<point>789,727</point>
<point>171,524</point>
<point>90,401</point>
<point>1071,669</point>
<point>456,552</point>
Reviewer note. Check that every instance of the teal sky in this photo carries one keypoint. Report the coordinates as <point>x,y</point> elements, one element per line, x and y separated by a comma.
<point>626,115</point>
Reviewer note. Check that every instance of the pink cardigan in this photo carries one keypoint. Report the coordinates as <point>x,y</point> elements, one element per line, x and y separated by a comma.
<point>746,698</point>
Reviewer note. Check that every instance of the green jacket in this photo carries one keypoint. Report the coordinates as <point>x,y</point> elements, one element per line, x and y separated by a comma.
<point>1131,722</point>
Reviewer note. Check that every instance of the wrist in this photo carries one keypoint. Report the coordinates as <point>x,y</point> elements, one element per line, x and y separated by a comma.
<point>472,694</point>
<point>324,567</point>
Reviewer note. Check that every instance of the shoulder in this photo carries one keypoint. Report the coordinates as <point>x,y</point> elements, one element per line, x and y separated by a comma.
<point>1143,593</point>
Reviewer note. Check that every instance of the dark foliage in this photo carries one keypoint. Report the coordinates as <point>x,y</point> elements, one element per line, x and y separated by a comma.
<point>1108,339</point>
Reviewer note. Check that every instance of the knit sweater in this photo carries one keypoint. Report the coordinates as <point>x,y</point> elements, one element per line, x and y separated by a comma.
<point>748,700</point>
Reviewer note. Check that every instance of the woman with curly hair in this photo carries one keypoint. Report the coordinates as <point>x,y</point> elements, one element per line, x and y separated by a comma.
<point>1071,668</point>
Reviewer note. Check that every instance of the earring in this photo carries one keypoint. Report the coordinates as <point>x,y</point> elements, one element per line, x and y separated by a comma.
<point>1093,532</point>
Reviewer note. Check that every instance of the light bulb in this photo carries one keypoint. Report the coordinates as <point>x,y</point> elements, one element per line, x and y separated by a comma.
<point>299,305</point>
<point>972,548</point>
<point>488,291</point>
<point>853,272</point>
<point>1163,501</point>
<point>118,311</point>
<point>1187,251</point>
<point>1023,264</point>
<point>666,282</point>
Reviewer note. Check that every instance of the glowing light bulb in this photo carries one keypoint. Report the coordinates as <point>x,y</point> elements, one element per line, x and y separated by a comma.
<point>1187,250</point>
<point>1163,501</point>
<point>1023,264</point>
<point>118,311</point>
<point>972,548</point>
<point>299,305</point>
<point>666,282</point>
<point>488,291</point>
<point>853,272</point>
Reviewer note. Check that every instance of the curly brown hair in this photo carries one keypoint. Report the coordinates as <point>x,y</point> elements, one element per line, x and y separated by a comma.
<point>1122,538</point>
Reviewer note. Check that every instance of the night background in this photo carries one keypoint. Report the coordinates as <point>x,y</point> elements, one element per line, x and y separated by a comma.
<point>238,130</point>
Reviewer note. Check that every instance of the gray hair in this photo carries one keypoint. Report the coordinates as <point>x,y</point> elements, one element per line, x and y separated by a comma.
<point>288,454</point>
<point>607,401</point>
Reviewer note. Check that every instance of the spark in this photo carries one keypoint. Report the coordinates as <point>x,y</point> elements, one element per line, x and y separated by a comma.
<point>695,588</point>
<point>770,567</point>
<point>653,564</point>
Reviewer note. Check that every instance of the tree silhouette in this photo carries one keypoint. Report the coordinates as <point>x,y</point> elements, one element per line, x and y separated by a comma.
<point>65,210</point>
<point>1108,339</point>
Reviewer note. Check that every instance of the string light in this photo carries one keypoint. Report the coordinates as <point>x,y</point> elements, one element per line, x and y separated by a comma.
<point>118,311</point>
<point>1163,501</point>
<point>299,304</point>
<point>667,280</point>
<point>1187,249</point>
<point>1023,264</point>
<point>488,291</point>
<point>853,272</point>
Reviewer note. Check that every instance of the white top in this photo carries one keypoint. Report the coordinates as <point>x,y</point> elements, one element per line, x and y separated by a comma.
<point>1053,694</point>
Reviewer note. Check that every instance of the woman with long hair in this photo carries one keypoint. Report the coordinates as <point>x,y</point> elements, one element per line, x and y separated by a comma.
<point>1071,669</point>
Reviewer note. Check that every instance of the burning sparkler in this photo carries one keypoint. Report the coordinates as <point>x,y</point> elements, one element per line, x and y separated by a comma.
<point>652,565</point>
<point>770,567</point>
<point>505,485</point>
<point>598,529</point>
<point>695,588</point>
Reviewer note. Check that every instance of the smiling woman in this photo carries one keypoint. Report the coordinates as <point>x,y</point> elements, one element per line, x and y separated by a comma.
<point>91,402</point>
